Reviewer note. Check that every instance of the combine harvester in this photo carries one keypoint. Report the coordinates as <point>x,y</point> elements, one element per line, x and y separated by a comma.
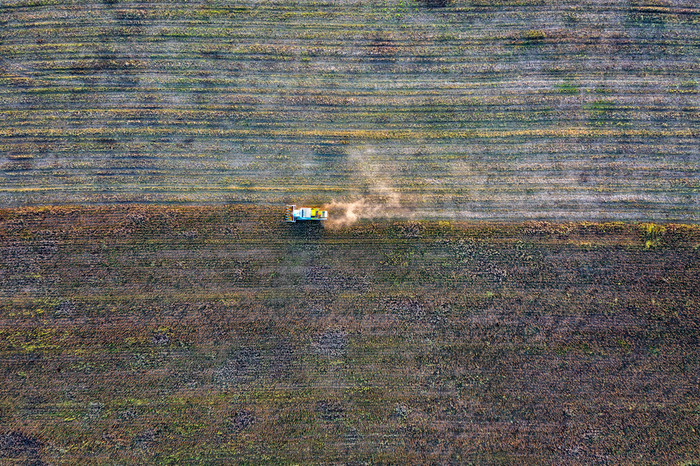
<point>292,214</point>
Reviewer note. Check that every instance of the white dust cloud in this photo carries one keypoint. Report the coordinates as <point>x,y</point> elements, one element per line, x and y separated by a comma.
<point>382,202</point>
<point>372,171</point>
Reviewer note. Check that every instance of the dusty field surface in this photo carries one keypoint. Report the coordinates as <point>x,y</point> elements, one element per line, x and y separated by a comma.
<point>221,334</point>
<point>508,109</point>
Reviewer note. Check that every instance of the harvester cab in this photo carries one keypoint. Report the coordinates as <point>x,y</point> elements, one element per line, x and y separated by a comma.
<point>292,214</point>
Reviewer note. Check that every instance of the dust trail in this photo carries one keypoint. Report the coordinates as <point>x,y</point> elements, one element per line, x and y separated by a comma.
<point>373,172</point>
<point>383,202</point>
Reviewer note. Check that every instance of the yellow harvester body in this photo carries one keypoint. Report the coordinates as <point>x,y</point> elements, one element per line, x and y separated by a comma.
<point>294,214</point>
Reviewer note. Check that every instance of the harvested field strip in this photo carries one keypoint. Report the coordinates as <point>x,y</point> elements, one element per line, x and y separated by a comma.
<point>441,103</point>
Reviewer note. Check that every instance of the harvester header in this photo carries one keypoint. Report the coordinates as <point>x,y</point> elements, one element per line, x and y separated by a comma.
<point>292,214</point>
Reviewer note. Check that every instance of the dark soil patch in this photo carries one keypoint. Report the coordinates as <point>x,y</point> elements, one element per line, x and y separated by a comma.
<point>241,420</point>
<point>330,410</point>
<point>333,344</point>
<point>18,444</point>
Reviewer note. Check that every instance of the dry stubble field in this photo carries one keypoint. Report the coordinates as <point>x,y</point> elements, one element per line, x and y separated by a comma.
<point>509,109</point>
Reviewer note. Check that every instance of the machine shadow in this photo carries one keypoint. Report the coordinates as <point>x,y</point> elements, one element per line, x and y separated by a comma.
<point>306,229</point>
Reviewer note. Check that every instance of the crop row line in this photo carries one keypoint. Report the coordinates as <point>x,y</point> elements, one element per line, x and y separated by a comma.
<point>362,134</point>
